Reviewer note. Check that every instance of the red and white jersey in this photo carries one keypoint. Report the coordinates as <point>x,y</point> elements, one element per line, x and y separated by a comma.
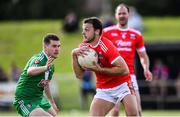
<point>107,54</point>
<point>127,42</point>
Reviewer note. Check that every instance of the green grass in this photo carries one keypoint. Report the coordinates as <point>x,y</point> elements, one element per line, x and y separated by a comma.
<point>162,29</point>
<point>146,113</point>
<point>69,93</point>
<point>20,40</point>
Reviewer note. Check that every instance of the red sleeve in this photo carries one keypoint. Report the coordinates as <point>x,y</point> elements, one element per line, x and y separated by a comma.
<point>112,53</point>
<point>139,41</point>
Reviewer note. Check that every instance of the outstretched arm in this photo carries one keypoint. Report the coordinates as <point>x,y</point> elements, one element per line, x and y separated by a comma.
<point>144,59</point>
<point>41,69</point>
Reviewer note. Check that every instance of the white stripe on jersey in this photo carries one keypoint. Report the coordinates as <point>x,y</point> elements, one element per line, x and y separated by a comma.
<point>110,28</point>
<point>136,31</point>
<point>41,57</point>
<point>46,75</point>
<point>116,27</point>
<point>23,108</point>
<point>115,59</point>
<point>103,46</point>
<point>142,49</point>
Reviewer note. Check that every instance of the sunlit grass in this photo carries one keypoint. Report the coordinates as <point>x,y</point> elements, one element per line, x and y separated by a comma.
<point>74,112</point>
<point>20,39</point>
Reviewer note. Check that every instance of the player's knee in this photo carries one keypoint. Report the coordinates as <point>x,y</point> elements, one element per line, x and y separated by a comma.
<point>132,112</point>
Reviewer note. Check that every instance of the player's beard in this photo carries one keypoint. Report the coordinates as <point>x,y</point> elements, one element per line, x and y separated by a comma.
<point>89,40</point>
<point>123,22</point>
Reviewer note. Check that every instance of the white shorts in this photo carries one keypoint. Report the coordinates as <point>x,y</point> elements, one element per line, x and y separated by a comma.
<point>115,94</point>
<point>134,82</point>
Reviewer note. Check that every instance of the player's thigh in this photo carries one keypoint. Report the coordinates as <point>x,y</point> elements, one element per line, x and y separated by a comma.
<point>117,106</point>
<point>130,105</point>
<point>100,107</point>
<point>136,88</point>
<point>25,107</point>
<point>39,112</point>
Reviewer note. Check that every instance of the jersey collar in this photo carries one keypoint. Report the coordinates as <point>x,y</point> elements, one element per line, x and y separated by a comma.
<point>45,54</point>
<point>122,29</point>
<point>97,42</point>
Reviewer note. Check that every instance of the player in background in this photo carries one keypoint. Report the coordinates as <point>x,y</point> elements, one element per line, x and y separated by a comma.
<point>112,75</point>
<point>35,79</point>
<point>128,41</point>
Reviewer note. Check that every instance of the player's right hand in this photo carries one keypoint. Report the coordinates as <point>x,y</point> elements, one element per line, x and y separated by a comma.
<point>148,75</point>
<point>49,62</point>
<point>80,51</point>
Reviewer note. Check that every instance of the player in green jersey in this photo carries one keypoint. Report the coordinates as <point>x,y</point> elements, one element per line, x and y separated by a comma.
<point>34,80</point>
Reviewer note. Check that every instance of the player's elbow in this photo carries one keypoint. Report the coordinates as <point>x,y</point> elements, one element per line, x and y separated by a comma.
<point>30,71</point>
<point>124,71</point>
<point>78,76</point>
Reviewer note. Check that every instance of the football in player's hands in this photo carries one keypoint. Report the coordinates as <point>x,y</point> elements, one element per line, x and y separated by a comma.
<point>87,59</point>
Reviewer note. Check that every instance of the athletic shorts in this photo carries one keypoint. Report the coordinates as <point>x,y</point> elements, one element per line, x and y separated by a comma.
<point>115,94</point>
<point>25,107</point>
<point>134,82</point>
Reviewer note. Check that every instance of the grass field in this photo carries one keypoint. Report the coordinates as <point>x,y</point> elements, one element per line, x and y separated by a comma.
<point>19,40</point>
<point>146,113</point>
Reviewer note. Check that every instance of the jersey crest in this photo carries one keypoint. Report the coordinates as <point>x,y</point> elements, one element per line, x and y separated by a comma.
<point>29,105</point>
<point>124,35</point>
<point>132,36</point>
<point>37,62</point>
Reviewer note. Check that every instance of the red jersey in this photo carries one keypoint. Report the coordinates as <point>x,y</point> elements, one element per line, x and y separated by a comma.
<point>107,54</point>
<point>127,42</point>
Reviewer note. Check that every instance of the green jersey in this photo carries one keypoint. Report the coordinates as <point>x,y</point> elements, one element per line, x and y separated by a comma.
<point>32,87</point>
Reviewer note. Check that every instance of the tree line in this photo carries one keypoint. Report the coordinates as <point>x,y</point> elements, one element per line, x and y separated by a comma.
<point>57,9</point>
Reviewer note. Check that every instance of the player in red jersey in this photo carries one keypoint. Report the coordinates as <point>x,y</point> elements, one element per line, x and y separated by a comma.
<point>113,82</point>
<point>128,41</point>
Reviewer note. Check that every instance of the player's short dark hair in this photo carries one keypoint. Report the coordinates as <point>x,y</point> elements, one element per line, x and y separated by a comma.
<point>122,4</point>
<point>49,37</point>
<point>97,24</point>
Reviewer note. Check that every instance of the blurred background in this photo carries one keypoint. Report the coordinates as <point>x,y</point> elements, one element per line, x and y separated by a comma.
<point>23,23</point>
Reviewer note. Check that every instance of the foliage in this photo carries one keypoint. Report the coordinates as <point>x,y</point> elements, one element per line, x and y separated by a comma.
<point>55,9</point>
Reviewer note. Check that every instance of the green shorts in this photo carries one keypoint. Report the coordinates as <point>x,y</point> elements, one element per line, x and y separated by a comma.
<point>25,107</point>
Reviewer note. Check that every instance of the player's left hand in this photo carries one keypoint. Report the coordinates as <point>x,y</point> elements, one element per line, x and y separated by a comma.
<point>148,75</point>
<point>96,67</point>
